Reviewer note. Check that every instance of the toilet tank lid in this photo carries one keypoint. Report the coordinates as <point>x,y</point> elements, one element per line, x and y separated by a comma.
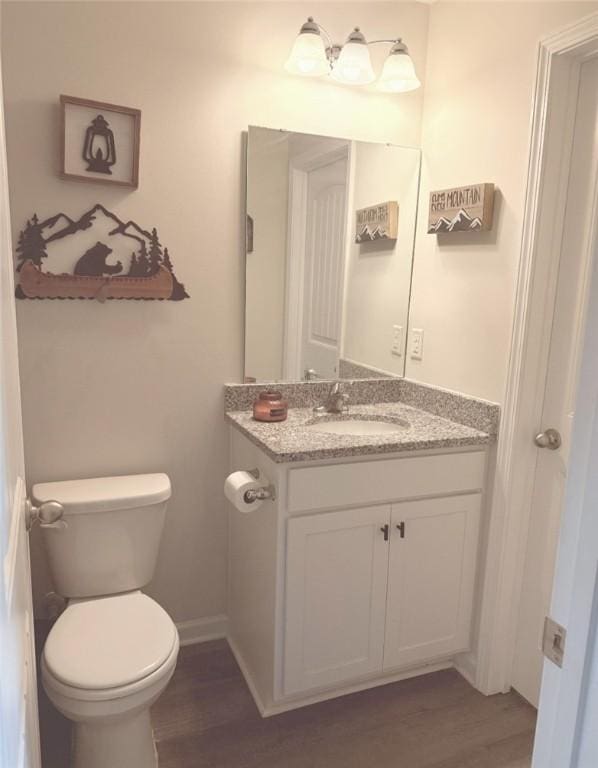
<point>102,494</point>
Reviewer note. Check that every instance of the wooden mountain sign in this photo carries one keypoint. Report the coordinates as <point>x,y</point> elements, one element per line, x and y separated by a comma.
<point>97,256</point>
<point>378,222</point>
<point>461,209</point>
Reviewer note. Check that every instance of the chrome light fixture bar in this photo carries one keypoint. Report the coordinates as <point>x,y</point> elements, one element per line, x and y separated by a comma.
<point>315,55</point>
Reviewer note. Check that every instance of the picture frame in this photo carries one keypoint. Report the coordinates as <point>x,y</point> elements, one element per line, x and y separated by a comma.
<point>99,142</point>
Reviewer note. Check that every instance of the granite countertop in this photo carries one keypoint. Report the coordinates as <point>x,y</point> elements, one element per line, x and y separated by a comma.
<point>292,440</point>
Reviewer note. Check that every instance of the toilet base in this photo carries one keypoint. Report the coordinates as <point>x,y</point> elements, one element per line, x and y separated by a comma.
<point>119,742</point>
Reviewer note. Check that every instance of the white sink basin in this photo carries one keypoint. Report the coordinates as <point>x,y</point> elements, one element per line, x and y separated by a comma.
<point>357,427</point>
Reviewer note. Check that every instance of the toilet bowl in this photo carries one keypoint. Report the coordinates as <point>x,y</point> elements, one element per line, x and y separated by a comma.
<point>113,650</point>
<point>105,662</point>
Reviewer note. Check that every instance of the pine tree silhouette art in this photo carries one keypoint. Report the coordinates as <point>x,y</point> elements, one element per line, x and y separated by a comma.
<point>31,245</point>
<point>133,266</point>
<point>178,289</point>
<point>143,265</point>
<point>155,253</point>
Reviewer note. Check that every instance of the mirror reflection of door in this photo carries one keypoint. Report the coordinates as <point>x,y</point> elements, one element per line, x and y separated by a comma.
<point>320,305</point>
<point>324,270</point>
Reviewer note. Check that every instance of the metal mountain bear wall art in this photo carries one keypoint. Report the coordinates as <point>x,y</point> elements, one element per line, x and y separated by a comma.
<point>98,256</point>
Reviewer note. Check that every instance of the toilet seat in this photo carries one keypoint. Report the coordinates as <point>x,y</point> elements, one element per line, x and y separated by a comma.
<point>108,647</point>
<point>118,699</point>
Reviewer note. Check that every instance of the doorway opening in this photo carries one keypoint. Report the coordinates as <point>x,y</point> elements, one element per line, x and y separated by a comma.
<point>319,180</point>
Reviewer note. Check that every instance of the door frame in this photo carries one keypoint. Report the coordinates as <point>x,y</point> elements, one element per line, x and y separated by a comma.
<point>19,741</point>
<point>560,57</point>
<point>299,169</point>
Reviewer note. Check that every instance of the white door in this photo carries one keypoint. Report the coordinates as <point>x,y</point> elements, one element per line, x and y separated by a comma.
<point>567,735</point>
<point>335,597</point>
<point>558,397</point>
<point>19,733</point>
<point>324,269</point>
<point>431,576</point>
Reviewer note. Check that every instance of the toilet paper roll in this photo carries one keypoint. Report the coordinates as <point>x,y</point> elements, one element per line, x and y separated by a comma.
<point>235,487</point>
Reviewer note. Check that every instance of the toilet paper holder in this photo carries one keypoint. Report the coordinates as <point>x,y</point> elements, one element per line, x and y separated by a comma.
<point>259,494</point>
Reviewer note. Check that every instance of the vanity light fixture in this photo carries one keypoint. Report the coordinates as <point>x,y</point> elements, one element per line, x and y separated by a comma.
<point>398,73</point>
<point>353,65</point>
<point>315,55</point>
<point>308,55</point>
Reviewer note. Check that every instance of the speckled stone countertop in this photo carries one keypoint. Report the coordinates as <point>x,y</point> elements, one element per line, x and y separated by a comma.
<point>292,440</point>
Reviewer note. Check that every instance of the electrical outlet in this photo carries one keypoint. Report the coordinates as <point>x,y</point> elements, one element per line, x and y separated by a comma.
<point>417,344</point>
<point>397,340</point>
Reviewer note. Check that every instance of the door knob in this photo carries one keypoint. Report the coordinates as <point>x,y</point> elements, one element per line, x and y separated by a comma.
<point>550,439</point>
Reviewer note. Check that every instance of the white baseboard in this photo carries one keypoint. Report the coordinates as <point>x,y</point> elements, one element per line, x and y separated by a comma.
<point>263,710</point>
<point>375,682</point>
<point>216,628</point>
<point>202,630</point>
<point>268,710</point>
<point>466,666</point>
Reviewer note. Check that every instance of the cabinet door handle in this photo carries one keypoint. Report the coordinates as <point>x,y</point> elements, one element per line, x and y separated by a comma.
<point>401,529</point>
<point>385,529</point>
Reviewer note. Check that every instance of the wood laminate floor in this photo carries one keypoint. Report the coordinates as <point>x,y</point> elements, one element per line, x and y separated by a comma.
<point>206,718</point>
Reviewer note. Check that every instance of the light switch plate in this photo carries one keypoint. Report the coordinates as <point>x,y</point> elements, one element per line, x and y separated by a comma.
<point>397,340</point>
<point>417,344</point>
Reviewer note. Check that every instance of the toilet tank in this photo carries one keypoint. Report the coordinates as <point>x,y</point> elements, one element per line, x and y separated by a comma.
<point>109,535</point>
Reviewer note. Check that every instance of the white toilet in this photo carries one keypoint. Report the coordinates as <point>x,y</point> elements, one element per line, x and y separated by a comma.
<point>113,650</point>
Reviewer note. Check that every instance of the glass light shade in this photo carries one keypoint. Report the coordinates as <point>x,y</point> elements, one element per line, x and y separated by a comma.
<point>354,66</point>
<point>398,74</point>
<point>308,56</point>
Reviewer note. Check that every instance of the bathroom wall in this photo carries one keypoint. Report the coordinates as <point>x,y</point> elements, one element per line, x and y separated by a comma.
<point>137,386</point>
<point>476,128</point>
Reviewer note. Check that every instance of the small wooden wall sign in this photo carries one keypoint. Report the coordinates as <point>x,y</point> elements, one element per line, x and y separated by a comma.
<point>378,222</point>
<point>461,209</point>
<point>97,256</point>
<point>100,142</point>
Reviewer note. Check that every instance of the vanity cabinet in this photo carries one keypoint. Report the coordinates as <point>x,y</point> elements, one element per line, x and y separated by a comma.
<point>362,571</point>
<point>377,589</point>
<point>431,576</point>
<point>336,576</point>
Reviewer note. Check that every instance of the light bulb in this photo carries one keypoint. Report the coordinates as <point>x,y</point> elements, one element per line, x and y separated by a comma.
<point>398,74</point>
<point>354,66</point>
<point>308,55</point>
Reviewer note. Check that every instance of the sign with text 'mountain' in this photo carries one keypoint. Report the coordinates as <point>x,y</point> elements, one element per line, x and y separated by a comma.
<point>378,222</point>
<point>461,209</point>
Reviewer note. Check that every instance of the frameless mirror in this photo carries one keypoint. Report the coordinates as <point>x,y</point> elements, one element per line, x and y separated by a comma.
<point>330,235</point>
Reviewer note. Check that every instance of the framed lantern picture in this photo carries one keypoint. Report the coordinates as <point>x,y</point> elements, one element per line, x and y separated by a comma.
<point>100,142</point>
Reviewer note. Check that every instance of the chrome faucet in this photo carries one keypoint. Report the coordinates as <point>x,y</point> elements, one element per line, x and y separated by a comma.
<point>336,401</point>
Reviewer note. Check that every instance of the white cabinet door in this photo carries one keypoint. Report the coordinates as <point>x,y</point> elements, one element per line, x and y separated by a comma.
<point>337,567</point>
<point>431,576</point>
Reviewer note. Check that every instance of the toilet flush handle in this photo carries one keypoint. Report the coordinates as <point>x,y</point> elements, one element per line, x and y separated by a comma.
<point>48,513</point>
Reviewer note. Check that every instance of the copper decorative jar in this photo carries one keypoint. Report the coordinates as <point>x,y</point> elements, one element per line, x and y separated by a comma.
<point>270,407</point>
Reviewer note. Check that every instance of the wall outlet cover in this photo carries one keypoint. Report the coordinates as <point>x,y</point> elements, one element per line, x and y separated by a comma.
<point>417,344</point>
